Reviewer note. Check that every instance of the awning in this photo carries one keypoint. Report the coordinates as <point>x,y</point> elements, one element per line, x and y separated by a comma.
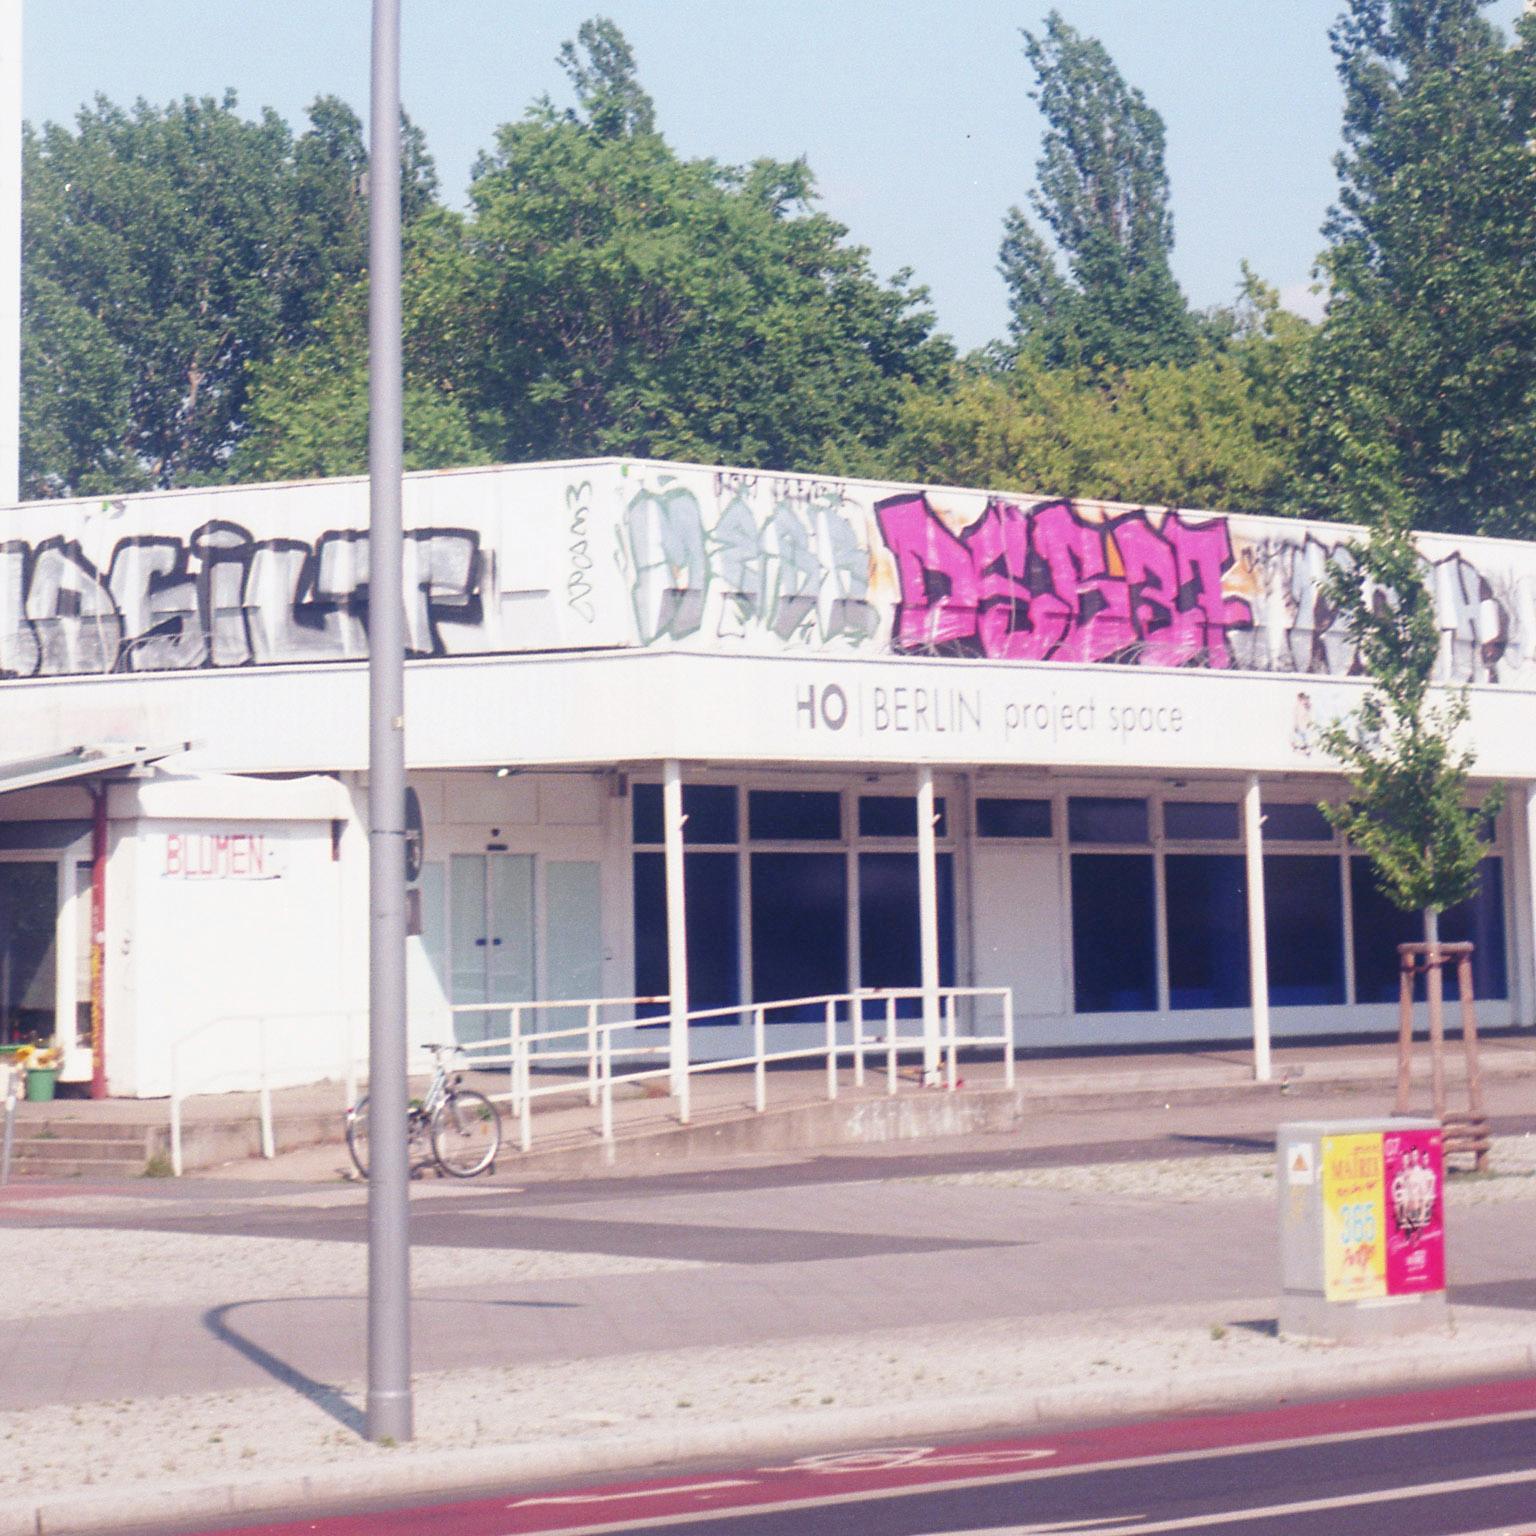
<point>79,763</point>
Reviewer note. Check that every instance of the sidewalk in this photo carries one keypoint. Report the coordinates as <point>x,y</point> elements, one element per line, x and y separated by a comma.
<point>568,1326</point>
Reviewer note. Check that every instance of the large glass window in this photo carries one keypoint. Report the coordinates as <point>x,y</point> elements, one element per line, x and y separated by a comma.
<point>1098,819</point>
<point>1207,930</point>
<point>896,816</point>
<point>890,949</point>
<point>997,817</point>
<point>1114,933</point>
<point>29,904</point>
<point>1305,929</point>
<point>794,815</point>
<point>1194,821</point>
<point>1379,927</point>
<point>710,912</point>
<point>1295,823</point>
<point>799,927</point>
<point>709,812</point>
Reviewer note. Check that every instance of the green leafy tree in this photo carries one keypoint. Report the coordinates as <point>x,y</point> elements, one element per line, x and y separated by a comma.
<point>1102,193</point>
<point>600,65</point>
<point>1406,808</point>
<point>169,250</point>
<point>1423,385</point>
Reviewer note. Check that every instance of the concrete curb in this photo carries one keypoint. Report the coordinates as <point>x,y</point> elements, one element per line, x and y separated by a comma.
<point>445,1476</point>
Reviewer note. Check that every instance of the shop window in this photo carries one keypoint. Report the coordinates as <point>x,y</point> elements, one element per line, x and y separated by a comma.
<point>1207,930</point>
<point>1114,933</point>
<point>1292,823</point>
<point>710,904</point>
<point>1304,922</point>
<point>794,815</point>
<point>896,816</point>
<point>1096,819</point>
<point>709,812</point>
<point>1379,927</point>
<point>1200,821</point>
<point>29,905</point>
<point>890,947</point>
<point>1013,818</point>
<point>799,928</point>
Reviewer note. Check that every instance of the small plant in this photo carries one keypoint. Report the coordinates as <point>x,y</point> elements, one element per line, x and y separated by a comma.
<point>1218,1332</point>
<point>158,1166</point>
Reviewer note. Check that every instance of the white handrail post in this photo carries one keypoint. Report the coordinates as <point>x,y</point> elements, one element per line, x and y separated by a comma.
<point>591,1053</point>
<point>685,1094</point>
<point>952,1076</point>
<point>856,1012</point>
<point>607,1094</point>
<point>890,1043</point>
<point>264,1094</point>
<point>515,1028</point>
<point>1008,1068</point>
<point>831,1048</point>
<point>525,1104</point>
<point>678,1054</point>
<point>176,1109</point>
<point>760,1068</point>
<point>348,1060</point>
<point>1258,953</point>
<point>928,920</point>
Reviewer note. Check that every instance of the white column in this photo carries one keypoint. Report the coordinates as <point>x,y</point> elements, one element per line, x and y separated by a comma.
<point>928,920</point>
<point>1527,918</point>
<point>10,251</point>
<point>1258,945</point>
<point>677,922</point>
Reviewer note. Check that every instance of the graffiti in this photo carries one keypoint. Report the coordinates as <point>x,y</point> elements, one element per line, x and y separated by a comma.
<point>799,574</point>
<point>1047,585</point>
<point>221,598</point>
<point>578,588</point>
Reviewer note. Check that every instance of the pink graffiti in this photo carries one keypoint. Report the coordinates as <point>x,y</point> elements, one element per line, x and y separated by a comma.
<point>1045,584</point>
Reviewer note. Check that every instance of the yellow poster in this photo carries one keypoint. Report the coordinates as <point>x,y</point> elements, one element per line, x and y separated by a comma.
<point>1354,1218</point>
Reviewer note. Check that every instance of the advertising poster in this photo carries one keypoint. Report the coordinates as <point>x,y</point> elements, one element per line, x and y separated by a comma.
<point>1354,1218</point>
<point>1414,1175</point>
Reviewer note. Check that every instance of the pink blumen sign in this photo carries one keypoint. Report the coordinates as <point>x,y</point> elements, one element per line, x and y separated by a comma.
<point>1414,1175</point>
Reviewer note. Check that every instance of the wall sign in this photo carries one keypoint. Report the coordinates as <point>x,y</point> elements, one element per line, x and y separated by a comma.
<point>222,856</point>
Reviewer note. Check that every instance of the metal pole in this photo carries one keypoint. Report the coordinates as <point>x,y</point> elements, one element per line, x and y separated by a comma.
<point>928,922</point>
<point>677,925</point>
<point>98,954</point>
<point>10,252</point>
<point>1258,942</point>
<point>389,1408</point>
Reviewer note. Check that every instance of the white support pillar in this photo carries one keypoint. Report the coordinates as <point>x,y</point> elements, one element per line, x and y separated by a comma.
<point>1258,944</point>
<point>10,252</point>
<point>928,921</point>
<point>1527,990</point>
<point>677,923</point>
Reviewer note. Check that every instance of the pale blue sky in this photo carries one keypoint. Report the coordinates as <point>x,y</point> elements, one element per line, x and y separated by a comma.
<point>915,117</point>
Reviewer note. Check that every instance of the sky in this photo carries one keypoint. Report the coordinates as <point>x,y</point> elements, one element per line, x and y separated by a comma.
<point>914,115</point>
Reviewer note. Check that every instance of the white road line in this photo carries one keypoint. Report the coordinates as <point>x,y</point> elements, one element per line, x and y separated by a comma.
<point>1118,1526</point>
<point>636,1493</point>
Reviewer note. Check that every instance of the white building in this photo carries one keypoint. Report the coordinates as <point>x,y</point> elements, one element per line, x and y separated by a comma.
<point>1113,709</point>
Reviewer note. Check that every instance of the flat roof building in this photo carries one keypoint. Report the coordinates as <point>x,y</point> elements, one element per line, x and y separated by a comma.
<point>922,737</point>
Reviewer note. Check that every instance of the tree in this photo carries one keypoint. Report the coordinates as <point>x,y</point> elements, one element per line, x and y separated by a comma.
<point>1423,384</point>
<point>608,93</point>
<point>168,251</point>
<point>1220,431</point>
<point>1406,808</point>
<point>1102,192</point>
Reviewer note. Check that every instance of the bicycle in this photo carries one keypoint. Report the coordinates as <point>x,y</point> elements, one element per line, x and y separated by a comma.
<point>461,1127</point>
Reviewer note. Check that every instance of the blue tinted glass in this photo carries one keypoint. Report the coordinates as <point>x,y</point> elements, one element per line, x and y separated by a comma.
<point>799,927</point>
<point>709,812</point>
<point>1295,824</point>
<point>795,815</point>
<point>710,907</point>
<point>896,816</point>
<point>1207,930</point>
<point>1200,820</point>
<point>889,939</point>
<point>1013,818</point>
<point>1379,927</point>
<point>1304,928</point>
<point>1114,958</point>
<point>1102,820</point>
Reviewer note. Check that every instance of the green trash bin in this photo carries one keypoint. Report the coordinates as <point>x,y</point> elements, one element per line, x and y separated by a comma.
<point>41,1081</point>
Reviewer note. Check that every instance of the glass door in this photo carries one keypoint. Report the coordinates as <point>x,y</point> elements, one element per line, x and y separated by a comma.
<point>491,919</point>
<point>29,908</point>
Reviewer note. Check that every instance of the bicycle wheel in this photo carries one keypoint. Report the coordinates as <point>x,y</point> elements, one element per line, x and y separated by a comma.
<point>466,1133</point>
<point>357,1135</point>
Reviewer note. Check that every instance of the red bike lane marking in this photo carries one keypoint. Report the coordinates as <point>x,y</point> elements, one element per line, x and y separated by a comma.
<point>896,1468</point>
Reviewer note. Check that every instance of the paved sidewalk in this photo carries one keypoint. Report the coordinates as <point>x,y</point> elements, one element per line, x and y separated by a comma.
<point>196,1347</point>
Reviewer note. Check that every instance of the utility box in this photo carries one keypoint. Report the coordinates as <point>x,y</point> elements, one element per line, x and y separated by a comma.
<point>1362,1228</point>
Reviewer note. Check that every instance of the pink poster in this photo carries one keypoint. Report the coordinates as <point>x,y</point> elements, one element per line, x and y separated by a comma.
<point>1415,1191</point>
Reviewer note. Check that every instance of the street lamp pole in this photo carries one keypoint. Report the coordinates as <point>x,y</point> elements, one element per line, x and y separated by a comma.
<point>10,251</point>
<point>389,1411</point>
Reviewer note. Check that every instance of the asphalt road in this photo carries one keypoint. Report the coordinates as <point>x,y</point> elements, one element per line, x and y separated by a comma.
<point>1451,1462</point>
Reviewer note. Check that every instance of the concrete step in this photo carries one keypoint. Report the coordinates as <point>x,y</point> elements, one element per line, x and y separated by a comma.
<point>64,1149</point>
<point>89,1168</point>
<point>33,1125</point>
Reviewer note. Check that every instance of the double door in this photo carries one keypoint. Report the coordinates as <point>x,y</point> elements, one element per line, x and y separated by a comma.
<point>523,927</point>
